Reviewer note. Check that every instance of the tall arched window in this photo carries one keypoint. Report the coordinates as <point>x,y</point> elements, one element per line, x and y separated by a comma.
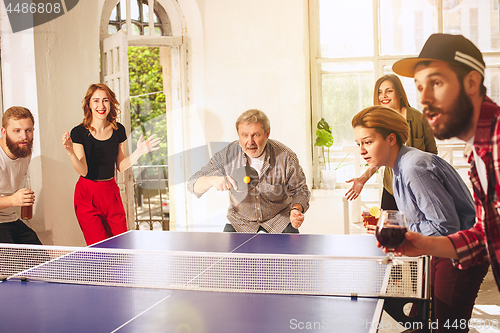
<point>144,25</point>
<point>140,17</point>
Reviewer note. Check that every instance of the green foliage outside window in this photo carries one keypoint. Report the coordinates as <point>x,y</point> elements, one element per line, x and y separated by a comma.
<point>147,101</point>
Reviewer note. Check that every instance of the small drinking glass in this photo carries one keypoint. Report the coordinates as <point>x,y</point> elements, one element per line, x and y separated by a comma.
<point>368,218</point>
<point>390,233</point>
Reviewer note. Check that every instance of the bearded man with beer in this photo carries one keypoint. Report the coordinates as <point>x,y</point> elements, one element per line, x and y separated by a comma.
<point>15,156</point>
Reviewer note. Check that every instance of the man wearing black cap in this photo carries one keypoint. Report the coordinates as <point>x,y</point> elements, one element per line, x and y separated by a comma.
<point>449,75</point>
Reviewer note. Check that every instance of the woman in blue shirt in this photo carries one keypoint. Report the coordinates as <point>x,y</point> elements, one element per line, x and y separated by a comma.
<point>435,201</point>
<point>389,92</point>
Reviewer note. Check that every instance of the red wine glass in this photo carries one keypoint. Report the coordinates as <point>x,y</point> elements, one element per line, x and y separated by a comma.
<point>390,233</point>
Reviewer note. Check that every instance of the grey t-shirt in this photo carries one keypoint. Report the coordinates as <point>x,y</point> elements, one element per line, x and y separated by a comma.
<point>12,174</point>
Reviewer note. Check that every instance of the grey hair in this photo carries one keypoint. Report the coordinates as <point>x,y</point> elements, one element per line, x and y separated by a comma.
<point>254,116</point>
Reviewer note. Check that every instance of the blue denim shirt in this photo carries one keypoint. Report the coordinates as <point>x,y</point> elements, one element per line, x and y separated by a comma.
<point>431,193</point>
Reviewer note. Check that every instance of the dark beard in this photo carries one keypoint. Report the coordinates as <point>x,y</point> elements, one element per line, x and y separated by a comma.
<point>460,116</point>
<point>16,150</point>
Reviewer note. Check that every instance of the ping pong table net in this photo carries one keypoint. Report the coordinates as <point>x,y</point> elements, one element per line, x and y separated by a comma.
<point>212,271</point>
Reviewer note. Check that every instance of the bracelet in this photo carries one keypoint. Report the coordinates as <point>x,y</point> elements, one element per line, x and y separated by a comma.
<point>296,209</point>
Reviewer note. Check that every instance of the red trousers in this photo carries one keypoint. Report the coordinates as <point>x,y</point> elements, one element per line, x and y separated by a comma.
<point>99,209</point>
<point>454,294</point>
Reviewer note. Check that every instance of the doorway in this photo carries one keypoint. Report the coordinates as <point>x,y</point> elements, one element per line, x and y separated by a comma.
<point>148,117</point>
<point>141,63</point>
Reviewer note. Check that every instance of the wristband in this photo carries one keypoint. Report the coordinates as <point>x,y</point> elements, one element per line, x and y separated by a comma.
<point>296,209</point>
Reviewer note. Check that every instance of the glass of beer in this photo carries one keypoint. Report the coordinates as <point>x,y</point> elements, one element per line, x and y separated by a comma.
<point>369,219</point>
<point>27,211</point>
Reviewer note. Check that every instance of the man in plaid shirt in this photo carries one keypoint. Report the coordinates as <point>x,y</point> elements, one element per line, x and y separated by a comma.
<point>449,75</point>
<point>278,202</point>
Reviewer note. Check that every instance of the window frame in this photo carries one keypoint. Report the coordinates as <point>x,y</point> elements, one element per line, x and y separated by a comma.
<point>379,62</point>
<point>158,11</point>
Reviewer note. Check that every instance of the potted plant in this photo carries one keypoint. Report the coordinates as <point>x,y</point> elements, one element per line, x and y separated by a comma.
<point>324,138</point>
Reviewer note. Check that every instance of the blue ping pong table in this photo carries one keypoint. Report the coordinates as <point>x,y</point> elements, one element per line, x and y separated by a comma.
<point>55,307</point>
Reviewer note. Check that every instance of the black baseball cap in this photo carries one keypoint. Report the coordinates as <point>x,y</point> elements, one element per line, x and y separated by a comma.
<point>454,49</point>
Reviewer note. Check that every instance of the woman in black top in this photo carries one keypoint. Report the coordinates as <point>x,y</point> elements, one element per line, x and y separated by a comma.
<point>94,148</point>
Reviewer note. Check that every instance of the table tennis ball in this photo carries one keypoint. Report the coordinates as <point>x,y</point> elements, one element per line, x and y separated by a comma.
<point>246,180</point>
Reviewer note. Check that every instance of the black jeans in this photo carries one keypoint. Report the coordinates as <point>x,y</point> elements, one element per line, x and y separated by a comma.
<point>288,230</point>
<point>18,233</point>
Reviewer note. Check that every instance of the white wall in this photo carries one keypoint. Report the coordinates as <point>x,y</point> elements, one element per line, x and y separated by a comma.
<point>256,56</point>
